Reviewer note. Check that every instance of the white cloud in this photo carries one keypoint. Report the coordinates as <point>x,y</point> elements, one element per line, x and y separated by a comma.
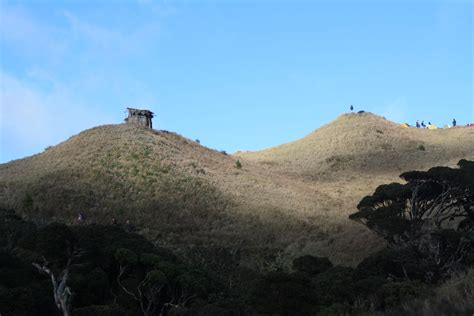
<point>58,40</point>
<point>98,39</point>
<point>20,31</point>
<point>34,118</point>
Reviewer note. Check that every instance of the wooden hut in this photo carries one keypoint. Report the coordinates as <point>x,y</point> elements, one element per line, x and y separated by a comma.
<point>140,117</point>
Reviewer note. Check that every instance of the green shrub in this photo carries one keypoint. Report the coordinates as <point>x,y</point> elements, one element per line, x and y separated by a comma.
<point>311,265</point>
<point>126,257</point>
<point>394,263</point>
<point>28,203</point>
<point>238,164</point>
<point>334,286</point>
<point>279,293</point>
<point>365,288</point>
<point>397,293</point>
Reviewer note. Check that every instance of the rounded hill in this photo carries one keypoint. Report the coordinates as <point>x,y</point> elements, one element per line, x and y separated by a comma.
<point>122,171</point>
<point>364,143</point>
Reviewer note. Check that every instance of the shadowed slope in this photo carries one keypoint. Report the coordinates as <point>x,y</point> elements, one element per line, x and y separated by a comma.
<point>166,184</point>
<point>295,197</point>
<point>121,171</point>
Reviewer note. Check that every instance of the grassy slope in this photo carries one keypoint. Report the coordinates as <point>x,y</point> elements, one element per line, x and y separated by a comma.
<point>368,144</point>
<point>346,160</point>
<point>295,197</point>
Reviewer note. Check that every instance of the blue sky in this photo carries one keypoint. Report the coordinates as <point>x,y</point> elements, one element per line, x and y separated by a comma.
<point>238,75</point>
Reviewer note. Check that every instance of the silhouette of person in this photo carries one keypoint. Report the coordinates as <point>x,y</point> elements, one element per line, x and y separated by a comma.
<point>454,122</point>
<point>418,124</point>
<point>129,226</point>
<point>423,124</point>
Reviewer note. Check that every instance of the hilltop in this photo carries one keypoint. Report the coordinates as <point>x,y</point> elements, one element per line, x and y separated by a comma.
<point>364,143</point>
<point>292,199</point>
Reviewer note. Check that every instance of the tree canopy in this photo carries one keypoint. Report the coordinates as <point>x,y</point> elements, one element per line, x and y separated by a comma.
<point>433,212</point>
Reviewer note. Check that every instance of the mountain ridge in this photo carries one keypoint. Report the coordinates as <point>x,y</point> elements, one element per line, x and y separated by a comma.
<point>364,141</point>
<point>294,198</point>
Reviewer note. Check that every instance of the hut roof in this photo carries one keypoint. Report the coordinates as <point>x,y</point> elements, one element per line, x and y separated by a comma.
<point>141,112</point>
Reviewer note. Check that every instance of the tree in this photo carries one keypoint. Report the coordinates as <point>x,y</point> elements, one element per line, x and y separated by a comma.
<point>61,291</point>
<point>56,242</point>
<point>311,265</point>
<point>433,213</point>
<point>151,292</point>
<point>279,293</point>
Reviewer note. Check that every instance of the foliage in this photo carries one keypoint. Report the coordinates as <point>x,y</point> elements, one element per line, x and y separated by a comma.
<point>13,228</point>
<point>238,164</point>
<point>108,264</point>
<point>395,293</point>
<point>279,293</point>
<point>311,265</point>
<point>335,285</point>
<point>431,215</point>
<point>28,202</point>
<point>125,256</point>
<point>395,264</point>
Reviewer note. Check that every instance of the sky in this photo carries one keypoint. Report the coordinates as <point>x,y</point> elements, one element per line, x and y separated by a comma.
<point>237,75</point>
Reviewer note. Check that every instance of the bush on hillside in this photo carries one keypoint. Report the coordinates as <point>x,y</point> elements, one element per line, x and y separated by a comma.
<point>311,265</point>
<point>279,293</point>
<point>397,293</point>
<point>335,285</point>
<point>238,164</point>
<point>431,215</point>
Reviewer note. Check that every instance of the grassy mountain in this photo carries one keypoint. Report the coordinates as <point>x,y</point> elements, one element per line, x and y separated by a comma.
<point>295,197</point>
<point>368,144</point>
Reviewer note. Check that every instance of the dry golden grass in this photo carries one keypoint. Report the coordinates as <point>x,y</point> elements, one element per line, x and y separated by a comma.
<point>295,198</point>
<point>366,144</point>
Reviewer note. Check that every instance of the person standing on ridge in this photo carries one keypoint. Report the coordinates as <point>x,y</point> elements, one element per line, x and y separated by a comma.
<point>352,108</point>
<point>454,122</point>
<point>423,124</point>
<point>418,124</point>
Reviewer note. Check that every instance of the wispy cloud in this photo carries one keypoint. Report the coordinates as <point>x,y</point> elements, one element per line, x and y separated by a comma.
<point>396,110</point>
<point>98,39</point>
<point>33,118</point>
<point>20,31</point>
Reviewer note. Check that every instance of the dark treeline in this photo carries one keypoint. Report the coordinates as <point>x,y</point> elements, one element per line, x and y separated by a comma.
<point>57,269</point>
